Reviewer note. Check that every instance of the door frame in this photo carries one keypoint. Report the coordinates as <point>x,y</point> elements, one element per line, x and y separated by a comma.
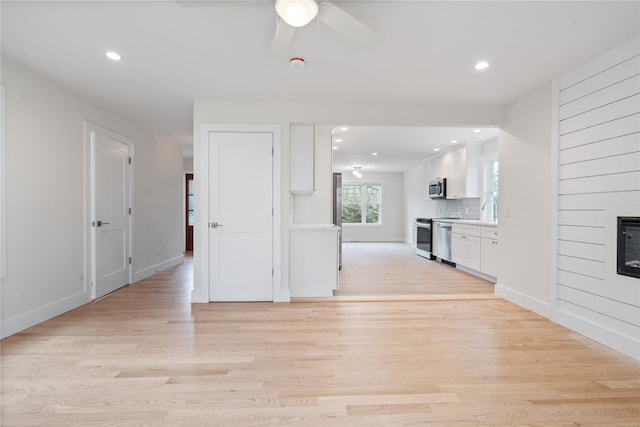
<point>89,203</point>
<point>201,279</point>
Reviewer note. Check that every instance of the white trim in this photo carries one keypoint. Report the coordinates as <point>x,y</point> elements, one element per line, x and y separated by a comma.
<point>150,271</point>
<point>43,313</point>
<point>553,203</point>
<point>89,231</point>
<point>533,304</point>
<point>3,190</point>
<point>201,292</point>
<point>477,273</point>
<point>622,343</point>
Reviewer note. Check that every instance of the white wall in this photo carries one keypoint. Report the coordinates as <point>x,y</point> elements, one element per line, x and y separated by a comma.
<point>187,164</point>
<point>392,227</point>
<point>45,198</point>
<point>598,179</point>
<point>525,202</point>
<point>158,238</point>
<point>490,147</point>
<point>283,114</point>
<point>316,208</point>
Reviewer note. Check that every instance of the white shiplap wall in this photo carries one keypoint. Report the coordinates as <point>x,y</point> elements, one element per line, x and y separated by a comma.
<point>598,162</point>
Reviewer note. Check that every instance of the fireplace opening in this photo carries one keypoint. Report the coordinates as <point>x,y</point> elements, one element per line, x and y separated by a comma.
<point>629,246</point>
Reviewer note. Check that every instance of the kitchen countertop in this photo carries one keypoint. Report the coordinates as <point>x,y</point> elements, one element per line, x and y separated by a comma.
<point>467,221</point>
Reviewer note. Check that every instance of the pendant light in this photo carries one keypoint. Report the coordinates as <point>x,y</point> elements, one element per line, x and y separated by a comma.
<point>297,13</point>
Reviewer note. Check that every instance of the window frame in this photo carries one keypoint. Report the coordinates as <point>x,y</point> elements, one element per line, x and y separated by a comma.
<point>363,204</point>
<point>487,188</point>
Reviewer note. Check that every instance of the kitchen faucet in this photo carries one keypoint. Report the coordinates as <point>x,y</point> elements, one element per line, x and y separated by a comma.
<point>492,201</point>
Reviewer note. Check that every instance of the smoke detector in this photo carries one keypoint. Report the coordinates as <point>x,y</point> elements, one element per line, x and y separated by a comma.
<point>296,63</point>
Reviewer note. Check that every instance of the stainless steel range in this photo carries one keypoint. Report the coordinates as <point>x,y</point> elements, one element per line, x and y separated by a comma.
<point>424,238</point>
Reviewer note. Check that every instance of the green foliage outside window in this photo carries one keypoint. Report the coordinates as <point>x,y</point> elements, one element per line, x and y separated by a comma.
<point>361,203</point>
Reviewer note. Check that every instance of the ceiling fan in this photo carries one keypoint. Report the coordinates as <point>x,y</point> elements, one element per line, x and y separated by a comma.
<point>298,13</point>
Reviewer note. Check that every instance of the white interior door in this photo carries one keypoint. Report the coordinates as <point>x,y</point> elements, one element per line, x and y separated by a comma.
<point>111,202</point>
<point>241,216</point>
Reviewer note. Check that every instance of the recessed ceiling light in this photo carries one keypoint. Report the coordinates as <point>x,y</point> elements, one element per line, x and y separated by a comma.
<point>436,149</point>
<point>114,56</point>
<point>477,130</point>
<point>482,65</point>
<point>374,154</point>
<point>454,141</point>
<point>338,140</point>
<point>344,128</point>
<point>335,148</point>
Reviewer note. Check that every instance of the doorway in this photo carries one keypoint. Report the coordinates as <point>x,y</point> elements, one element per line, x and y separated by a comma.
<point>109,165</point>
<point>237,241</point>
<point>189,211</point>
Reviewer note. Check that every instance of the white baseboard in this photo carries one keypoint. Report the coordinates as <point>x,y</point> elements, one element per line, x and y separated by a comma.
<point>622,343</point>
<point>150,271</point>
<point>537,306</point>
<point>477,273</point>
<point>374,239</point>
<point>40,314</point>
<point>283,296</point>
<point>629,346</point>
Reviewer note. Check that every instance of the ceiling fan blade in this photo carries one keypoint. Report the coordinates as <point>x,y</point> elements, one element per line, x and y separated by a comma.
<point>191,3</point>
<point>204,3</point>
<point>347,25</point>
<point>282,39</point>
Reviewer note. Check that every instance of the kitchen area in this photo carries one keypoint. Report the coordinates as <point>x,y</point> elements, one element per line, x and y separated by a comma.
<point>444,209</point>
<point>463,233</point>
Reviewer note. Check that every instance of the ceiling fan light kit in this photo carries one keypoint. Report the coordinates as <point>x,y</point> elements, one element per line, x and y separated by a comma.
<point>297,13</point>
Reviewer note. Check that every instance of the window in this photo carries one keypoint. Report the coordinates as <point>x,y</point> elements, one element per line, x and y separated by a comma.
<point>361,203</point>
<point>490,190</point>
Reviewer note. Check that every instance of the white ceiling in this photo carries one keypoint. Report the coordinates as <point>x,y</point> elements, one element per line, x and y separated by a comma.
<point>174,54</point>
<point>397,148</point>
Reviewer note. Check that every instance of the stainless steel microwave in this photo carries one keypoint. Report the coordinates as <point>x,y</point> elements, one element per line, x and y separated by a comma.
<point>438,188</point>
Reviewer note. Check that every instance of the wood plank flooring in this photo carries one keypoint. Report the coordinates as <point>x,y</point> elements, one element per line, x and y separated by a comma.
<point>394,270</point>
<point>144,356</point>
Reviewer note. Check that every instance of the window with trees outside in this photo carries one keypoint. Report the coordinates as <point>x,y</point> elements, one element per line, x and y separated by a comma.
<point>490,202</point>
<point>361,203</point>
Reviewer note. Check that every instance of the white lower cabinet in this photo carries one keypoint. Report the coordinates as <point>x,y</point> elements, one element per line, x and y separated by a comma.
<point>313,261</point>
<point>465,249</point>
<point>489,248</point>
<point>475,248</point>
<point>489,257</point>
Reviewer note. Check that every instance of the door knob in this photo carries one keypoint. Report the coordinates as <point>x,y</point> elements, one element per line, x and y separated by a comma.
<point>215,225</point>
<point>100,223</point>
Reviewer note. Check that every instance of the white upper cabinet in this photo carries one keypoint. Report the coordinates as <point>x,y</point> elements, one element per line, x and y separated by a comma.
<point>302,163</point>
<point>461,167</point>
<point>457,161</point>
<point>463,172</point>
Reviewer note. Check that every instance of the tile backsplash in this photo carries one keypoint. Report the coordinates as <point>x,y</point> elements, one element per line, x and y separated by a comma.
<point>460,208</point>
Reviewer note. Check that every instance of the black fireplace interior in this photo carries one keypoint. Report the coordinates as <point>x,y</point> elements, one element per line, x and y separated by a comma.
<point>629,246</point>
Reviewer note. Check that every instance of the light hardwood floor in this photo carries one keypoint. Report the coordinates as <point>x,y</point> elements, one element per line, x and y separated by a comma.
<point>144,356</point>
<point>394,270</point>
